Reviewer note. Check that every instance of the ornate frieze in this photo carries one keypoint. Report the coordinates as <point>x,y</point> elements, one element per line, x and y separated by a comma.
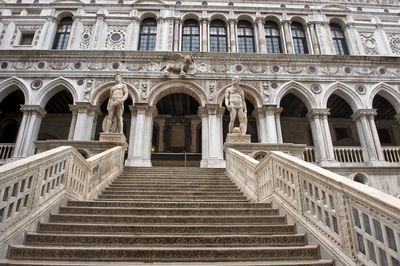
<point>86,36</point>
<point>116,37</point>
<point>369,43</point>
<point>394,42</point>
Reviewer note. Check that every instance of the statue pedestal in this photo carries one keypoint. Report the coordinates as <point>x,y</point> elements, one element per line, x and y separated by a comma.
<point>112,137</point>
<point>238,138</point>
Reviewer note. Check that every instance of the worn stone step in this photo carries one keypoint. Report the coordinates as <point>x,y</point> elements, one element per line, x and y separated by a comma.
<point>164,254</point>
<point>167,229</point>
<point>173,189</point>
<point>297,262</point>
<point>173,193</point>
<point>181,186</point>
<point>81,218</point>
<point>171,182</point>
<point>170,197</point>
<point>167,211</point>
<point>174,177</point>
<point>178,205</point>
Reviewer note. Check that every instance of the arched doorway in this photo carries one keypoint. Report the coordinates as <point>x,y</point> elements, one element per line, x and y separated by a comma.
<point>126,118</point>
<point>10,120</point>
<point>295,127</point>
<point>176,128</point>
<point>56,123</point>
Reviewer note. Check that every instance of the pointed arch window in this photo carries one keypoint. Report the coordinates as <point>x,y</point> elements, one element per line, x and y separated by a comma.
<point>339,41</point>
<point>299,38</point>
<point>191,36</point>
<point>272,37</point>
<point>245,37</point>
<point>148,34</point>
<point>218,38</point>
<point>62,34</point>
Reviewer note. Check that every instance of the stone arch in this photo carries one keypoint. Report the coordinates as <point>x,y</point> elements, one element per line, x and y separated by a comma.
<point>177,86</point>
<point>360,178</point>
<point>101,93</point>
<point>10,85</point>
<point>149,2</point>
<point>338,21</point>
<point>301,20</point>
<point>145,15</point>
<point>219,16</point>
<point>347,93</point>
<point>188,16</point>
<point>298,89</point>
<point>387,92</point>
<point>246,17</point>
<point>55,86</point>
<point>63,14</point>
<point>250,93</point>
<point>273,18</point>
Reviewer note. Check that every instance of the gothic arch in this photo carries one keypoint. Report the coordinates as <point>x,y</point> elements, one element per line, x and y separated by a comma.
<point>300,91</point>
<point>347,93</point>
<point>387,92</point>
<point>252,94</point>
<point>173,86</point>
<point>101,92</point>
<point>54,87</point>
<point>6,87</point>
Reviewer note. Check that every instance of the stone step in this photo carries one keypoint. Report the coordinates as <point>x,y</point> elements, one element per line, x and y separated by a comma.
<point>81,218</point>
<point>162,254</point>
<point>174,177</point>
<point>171,200</point>
<point>177,205</point>
<point>172,183</point>
<point>179,194</point>
<point>164,240</point>
<point>167,211</point>
<point>297,262</point>
<point>231,229</point>
<point>172,189</point>
<point>170,197</point>
<point>185,186</point>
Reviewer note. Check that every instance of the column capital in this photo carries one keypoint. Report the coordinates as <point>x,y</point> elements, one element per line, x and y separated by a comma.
<point>260,19</point>
<point>318,112</point>
<point>363,113</point>
<point>135,19</point>
<point>83,107</point>
<point>205,19</point>
<point>211,109</point>
<point>286,21</point>
<point>232,20</point>
<point>143,108</point>
<point>33,109</point>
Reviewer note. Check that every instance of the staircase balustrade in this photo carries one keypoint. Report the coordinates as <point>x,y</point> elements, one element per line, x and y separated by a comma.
<point>356,223</point>
<point>348,154</point>
<point>32,186</point>
<point>309,154</point>
<point>392,154</point>
<point>6,151</point>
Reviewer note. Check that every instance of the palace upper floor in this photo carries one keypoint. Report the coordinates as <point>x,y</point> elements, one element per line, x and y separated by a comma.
<point>216,26</point>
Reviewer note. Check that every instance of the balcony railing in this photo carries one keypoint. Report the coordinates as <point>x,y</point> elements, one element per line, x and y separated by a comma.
<point>392,154</point>
<point>6,151</point>
<point>348,154</point>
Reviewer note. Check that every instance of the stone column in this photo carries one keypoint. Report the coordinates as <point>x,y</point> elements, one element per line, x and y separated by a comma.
<point>84,121</point>
<point>261,123</point>
<point>314,39</point>
<point>73,43</point>
<point>74,112</point>
<point>204,33</point>
<point>288,37</point>
<point>7,37</point>
<point>96,40</point>
<point>28,131</point>
<point>212,142</point>
<point>134,27</point>
<point>369,139</point>
<point>278,112</point>
<point>177,26</point>
<point>267,123</point>
<point>375,135</point>
<point>139,151</point>
<point>261,35</point>
<point>352,39</point>
<point>232,34</point>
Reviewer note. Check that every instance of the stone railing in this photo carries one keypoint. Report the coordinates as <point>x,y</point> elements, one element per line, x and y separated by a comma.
<point>348,154</point>
<point>309,154</point>
<point>392,154</point>
<point>32,186</point>
<point>355,223</point>
<point>6,151</point>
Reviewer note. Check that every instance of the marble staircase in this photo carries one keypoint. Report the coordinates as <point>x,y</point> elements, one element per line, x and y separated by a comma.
<point>174,216</point>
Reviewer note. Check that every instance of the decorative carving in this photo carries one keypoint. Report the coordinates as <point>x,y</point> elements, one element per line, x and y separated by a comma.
<point>369,43</point>
<point>144,91</point>
<point>394,42</point>
<point>266,85</point>
<point>58,65</point>
<point>118,94</point>
<point>257,69</point>
<point>364,71</point>
<point>132,66</point>
<point>211,88</point>
<point>180,64</point>
<point>329,70</point>
<point>27,29</point>
<point>86,37</point>
<point>236,105</point>
<point>203,67</point>
<point>87,90</point>
<point>152,67</point>
<point>293,69</point>
<point>116,37</point>
<point>95,66</point>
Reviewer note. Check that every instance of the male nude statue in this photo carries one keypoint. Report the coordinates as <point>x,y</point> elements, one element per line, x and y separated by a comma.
<point>236,105</point>
<point>115,107</point>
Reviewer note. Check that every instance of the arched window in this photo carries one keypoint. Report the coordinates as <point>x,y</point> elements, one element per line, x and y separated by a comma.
<point>218,40</point>
<point>299,38</point>
<point>148,32</point>
<point>191,36</point>
<point>272,37</point>
<point>338,40</point>
<point>245,37</point>
<point>63,33</point>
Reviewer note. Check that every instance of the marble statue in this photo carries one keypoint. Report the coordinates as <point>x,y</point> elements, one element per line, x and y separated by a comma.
<point>181,64</point>
<point>236,105</point>
<point>118,94</point>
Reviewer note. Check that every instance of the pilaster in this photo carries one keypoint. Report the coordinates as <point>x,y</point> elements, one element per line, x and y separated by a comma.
<point>288,37</point>
<point>261,35</point>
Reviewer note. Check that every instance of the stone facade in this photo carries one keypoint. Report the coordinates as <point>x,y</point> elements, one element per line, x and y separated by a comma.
<point>105,37</point>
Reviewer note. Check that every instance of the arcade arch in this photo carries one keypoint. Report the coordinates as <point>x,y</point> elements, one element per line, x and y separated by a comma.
<point>11,115</point>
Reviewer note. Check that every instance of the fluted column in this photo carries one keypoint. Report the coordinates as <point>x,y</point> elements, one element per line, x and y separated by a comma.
<point>204,34</point>
<point>134,32</point>
<point>212,139</point>
<point>139,151</point>
<point>314,38</point>
<point>353,39</point>
<point>368,135</point>
<point>232,31</point>
<point>261,35</point>
<point>288,37</point>
<point>278,112</point>
<point>96,41</point>
<point>177,26</point>
<point>28,131</point>
<point>74,111</point>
